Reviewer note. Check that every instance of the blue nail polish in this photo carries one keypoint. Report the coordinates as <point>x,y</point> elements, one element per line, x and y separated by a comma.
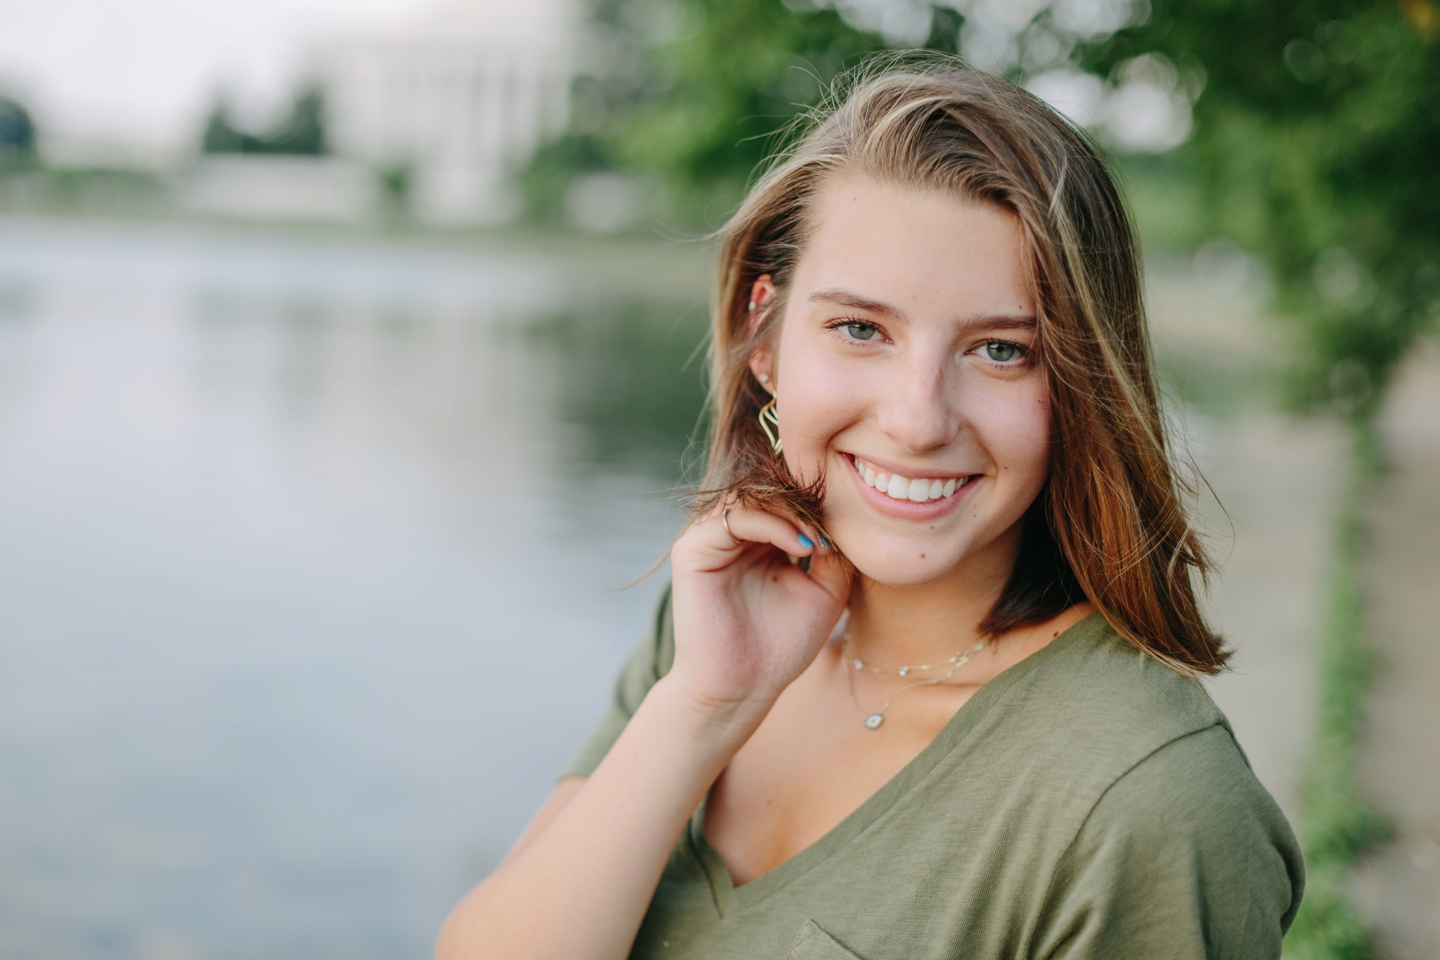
<point>824,544</point>
<point>806,542</point>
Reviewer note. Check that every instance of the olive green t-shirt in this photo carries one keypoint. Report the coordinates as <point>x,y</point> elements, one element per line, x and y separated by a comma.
<point>1086,803</point>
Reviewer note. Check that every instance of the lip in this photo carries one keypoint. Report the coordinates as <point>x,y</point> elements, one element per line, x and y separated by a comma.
<point>907,509</point>
<point>891,466</point>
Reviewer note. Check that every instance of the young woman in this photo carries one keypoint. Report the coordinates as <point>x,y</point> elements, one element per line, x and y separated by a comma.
<point>924,684</point>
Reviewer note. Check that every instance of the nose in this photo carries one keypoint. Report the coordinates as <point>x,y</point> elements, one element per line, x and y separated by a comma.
<point>918,409</point>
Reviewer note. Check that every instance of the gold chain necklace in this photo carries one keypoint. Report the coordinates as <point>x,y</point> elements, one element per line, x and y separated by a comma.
<point>855,665</point>
<point>957,658</point>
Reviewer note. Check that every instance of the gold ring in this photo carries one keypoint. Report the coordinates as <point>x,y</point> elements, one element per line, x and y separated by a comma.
<point>725,522</point>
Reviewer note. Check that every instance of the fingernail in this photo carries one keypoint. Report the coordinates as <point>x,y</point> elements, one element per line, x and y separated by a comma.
<point>824,544</point>
<point>806,542</point>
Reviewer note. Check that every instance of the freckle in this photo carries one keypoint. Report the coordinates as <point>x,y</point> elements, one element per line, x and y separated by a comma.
<point>922,556</point>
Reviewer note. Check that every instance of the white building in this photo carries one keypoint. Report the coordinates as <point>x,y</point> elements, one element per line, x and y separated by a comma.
<point>460,99</point>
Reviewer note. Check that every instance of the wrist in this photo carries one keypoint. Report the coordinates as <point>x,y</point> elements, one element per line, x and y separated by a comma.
<point>720,724</point>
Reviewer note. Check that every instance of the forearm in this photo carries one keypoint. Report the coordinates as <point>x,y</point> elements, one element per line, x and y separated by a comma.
<point>580,889</point>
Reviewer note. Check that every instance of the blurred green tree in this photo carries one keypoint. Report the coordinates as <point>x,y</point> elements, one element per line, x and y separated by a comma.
<point>301,133</point>
<point>729,86</point>
<point>1317,145</point>
<point>221,135</point>
<point>692,94</point>
<point>17,132</point>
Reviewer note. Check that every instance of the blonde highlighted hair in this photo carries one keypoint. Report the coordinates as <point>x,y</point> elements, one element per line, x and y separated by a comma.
<point>1110,525</point>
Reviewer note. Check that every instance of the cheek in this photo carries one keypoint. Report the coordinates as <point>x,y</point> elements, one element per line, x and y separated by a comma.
<point>819,397</point>
<point>1014,427</point>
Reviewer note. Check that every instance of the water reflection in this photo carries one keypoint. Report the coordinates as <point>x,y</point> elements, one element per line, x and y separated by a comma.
<point>602,356</point>
<point>308,565</point>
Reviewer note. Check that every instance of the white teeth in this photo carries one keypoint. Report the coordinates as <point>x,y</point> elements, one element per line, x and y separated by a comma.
<point>903,488</point>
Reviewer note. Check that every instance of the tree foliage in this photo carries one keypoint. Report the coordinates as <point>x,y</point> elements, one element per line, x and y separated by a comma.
<point>17,132</point>
<point>301,133</point>
<point>1317,145</point>
<point>694,92</point>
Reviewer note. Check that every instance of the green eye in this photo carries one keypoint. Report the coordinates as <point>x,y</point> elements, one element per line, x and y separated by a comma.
<point>860,331</point>
<point>1001,351</point>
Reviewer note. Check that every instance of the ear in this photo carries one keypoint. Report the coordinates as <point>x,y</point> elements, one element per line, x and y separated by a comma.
<point>763,359</point>
<point>761,363</point>
<point>761,291</point>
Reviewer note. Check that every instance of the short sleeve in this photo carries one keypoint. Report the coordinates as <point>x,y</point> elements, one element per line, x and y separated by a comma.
<point>651,660</point>
<point>1185,857</point>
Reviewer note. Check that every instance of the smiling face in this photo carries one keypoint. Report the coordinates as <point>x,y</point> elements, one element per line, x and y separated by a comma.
<point>904,369</point>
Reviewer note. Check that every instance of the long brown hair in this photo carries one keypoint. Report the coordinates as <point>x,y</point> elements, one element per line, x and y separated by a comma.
<point>1109,525</point>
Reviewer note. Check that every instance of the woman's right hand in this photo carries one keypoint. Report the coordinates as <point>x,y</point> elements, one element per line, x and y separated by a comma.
<point>748,621</point>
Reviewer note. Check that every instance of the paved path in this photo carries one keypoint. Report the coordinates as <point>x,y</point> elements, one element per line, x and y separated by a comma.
<point>1398,887</point>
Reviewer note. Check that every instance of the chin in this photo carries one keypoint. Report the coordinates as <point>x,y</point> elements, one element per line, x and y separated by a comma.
<point>901,566</point>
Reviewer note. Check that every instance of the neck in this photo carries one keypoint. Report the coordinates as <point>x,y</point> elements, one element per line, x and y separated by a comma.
<point>892,625</point>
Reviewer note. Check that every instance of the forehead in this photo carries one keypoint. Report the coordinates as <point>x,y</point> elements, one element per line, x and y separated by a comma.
<point>920,250</point>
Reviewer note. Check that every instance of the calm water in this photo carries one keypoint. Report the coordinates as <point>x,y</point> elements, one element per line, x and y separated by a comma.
<point>309,565</point>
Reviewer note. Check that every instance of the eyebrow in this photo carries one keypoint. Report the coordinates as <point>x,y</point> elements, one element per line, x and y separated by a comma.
<point>843,298</point>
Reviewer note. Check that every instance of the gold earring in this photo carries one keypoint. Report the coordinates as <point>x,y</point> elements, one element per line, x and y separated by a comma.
<point>768,416</point>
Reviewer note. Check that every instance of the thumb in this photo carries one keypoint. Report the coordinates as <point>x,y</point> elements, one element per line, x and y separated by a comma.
<point>831,574</point>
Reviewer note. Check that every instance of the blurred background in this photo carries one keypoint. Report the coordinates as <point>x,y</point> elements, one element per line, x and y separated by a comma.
<point>351,353</point>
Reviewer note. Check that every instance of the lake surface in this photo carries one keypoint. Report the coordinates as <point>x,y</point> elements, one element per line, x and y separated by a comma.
<point>310,563</point>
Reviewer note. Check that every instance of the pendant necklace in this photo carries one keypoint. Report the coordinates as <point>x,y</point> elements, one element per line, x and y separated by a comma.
<point>854,665</point>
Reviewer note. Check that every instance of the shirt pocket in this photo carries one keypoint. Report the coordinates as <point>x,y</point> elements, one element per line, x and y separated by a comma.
<point>812,943</point>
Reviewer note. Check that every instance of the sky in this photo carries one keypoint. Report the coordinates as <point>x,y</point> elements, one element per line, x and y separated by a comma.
<point>136,77</point>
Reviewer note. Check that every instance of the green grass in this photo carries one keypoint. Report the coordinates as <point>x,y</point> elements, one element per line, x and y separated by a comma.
<point>1338,824</point>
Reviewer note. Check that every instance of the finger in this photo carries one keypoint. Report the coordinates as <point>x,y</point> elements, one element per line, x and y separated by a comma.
<point>811,539</point>
<point>760,526</point>
<point>711,546</point>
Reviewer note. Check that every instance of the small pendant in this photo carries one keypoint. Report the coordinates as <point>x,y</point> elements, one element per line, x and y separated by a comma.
<point>903,671</point>
<point>873,721</point>
<point>858,663</point>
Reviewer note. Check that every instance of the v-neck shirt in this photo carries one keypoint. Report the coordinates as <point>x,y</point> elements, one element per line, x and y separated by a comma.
<point>1087,802</point>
